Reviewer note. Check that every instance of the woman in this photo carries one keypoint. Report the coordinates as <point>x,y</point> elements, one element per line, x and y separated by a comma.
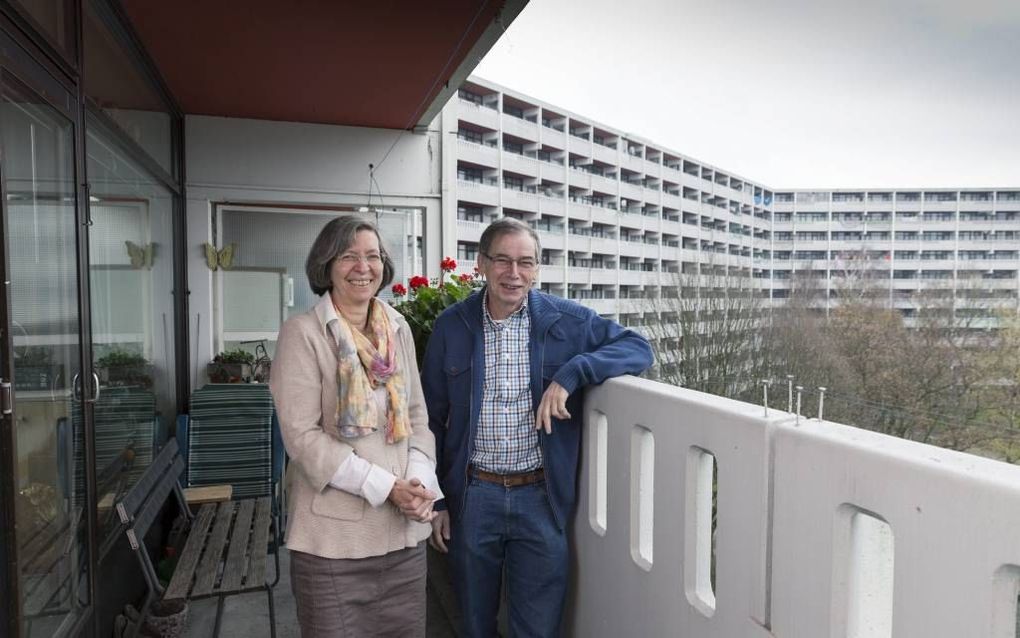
<point>361,478</point>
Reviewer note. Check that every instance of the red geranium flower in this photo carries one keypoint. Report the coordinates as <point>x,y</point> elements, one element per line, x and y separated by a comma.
<point>465,277</point>
<point>449,264</point>
<point>399,290</point>
<point>418,281</point>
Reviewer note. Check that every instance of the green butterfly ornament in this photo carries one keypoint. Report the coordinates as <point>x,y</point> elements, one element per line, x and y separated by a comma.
<point>219,258</point>
<point>140,255</point>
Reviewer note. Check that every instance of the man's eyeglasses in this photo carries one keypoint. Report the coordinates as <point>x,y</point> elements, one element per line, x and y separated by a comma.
<point>502,262</point>
<point>350,259</point>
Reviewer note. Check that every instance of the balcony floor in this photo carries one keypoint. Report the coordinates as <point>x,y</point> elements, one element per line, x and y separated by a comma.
<point>247,615</point>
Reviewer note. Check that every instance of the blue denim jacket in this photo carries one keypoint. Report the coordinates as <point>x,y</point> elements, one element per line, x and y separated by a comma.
<point>570,344</point>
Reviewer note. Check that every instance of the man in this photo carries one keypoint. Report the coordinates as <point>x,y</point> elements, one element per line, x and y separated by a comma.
<point>503,377</point>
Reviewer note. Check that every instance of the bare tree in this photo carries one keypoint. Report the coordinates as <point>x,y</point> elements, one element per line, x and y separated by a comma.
<point>711,330</point>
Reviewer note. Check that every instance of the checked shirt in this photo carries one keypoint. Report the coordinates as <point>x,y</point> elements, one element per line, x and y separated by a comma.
<point>506,441</point>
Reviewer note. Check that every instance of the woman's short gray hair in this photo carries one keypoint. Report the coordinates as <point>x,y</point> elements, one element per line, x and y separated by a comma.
<point>506,226</point>
<point>333,240</point>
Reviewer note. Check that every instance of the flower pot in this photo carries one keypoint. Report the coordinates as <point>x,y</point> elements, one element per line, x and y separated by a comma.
<point>229,372</point>
<point>168,618</point>
<point>138,374</point>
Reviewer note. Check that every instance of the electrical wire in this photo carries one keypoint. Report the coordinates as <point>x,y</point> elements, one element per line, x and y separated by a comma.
<point>435,82</point>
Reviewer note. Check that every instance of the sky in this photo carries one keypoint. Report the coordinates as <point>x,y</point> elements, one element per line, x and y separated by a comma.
<point>788,93</point>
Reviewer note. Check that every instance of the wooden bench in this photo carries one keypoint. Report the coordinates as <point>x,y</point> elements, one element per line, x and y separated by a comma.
<point>226,547</point>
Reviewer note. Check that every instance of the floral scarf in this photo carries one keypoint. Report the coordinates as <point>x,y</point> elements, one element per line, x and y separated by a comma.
<point>364,365</point>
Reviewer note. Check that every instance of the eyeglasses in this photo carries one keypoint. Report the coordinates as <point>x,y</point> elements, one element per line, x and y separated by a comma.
<point>350,259</point>
<point>502,262</point>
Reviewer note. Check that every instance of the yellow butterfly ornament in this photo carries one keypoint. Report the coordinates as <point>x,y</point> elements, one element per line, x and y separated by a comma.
<point>219,259</point>
<point>141,255</point>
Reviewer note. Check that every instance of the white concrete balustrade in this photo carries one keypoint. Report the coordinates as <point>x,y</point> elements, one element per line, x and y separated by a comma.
<point>823,530</point>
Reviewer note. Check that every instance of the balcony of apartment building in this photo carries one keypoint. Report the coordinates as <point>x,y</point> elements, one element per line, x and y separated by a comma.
<point>520,156</point>
<point>478,183</point>
<point>605,146</point>
<point>519,192</point>
<point>520,119</point>
<point>603,177</point>
<point>478,105</point>
<point>908,200</point>
<point>632,156</point>
<point>579,138</point>
<point>653,162</point>
<point>580,172</point>
<point>552,165</point>
<point>553,127</point>
<point>477,145</point>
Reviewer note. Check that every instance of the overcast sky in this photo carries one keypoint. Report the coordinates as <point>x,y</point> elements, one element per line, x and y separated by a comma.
<point>789,93</point>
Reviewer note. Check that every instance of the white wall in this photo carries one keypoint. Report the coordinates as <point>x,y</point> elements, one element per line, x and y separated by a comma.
<point>824,530</point>
<point>288,163</point>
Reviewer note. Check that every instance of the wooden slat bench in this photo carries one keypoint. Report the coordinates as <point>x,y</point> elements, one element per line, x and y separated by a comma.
<point>226,547</point>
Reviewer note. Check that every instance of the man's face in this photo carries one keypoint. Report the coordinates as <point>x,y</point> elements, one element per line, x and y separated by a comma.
<point>510,269</point>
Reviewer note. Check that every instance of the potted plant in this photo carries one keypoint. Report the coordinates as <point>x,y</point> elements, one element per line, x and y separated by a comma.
<point>123,368</point>
<point>231,366</point>
<point>427,299</point>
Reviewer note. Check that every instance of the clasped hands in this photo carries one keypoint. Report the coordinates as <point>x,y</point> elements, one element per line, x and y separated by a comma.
<point>413,499</point>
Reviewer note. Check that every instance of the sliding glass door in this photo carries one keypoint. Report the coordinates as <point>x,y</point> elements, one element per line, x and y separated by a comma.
<point>45,515</point>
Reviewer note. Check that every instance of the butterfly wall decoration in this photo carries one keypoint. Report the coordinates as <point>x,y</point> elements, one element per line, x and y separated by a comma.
<point>223,258</point>
<point>140,255</point>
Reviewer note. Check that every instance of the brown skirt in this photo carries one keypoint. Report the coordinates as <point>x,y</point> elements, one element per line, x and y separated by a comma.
<point>357,598</point>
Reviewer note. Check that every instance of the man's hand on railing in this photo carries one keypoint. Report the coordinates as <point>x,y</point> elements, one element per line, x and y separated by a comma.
<point>554,404</point>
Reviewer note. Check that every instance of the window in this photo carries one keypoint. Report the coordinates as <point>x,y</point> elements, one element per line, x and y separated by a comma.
<point>466,174</point>
<point>467,251</point>
<point>469,213</point>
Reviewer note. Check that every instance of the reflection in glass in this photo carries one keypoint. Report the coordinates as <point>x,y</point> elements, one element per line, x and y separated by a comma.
<point>266,280</point>
<point>131,292</point>
<point>115,82</point>
<point>50,534</point>
<point>56,19</point>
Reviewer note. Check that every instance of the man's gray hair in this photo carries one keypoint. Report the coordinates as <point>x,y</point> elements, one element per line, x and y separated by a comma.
<point>333,241</point>
<point>507,226</point>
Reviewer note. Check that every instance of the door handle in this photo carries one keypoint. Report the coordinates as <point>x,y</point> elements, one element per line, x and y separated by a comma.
<point>6,397</point>
<point>95,377</point>
<point>76,387</point>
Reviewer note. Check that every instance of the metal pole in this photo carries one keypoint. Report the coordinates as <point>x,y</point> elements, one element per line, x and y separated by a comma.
<point>800,389</point>
<point>765,395</point>
<point>821,401</point>
<point>789,393</point>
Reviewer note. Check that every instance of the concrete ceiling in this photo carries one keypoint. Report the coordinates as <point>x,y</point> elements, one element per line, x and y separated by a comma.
<point>386,63</point>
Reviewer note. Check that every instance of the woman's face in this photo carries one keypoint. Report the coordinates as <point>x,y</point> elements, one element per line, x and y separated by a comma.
<point>357,272</point>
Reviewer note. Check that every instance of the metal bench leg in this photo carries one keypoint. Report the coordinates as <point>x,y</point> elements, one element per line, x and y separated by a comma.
<point>219,616</point>
<point>272,612</point>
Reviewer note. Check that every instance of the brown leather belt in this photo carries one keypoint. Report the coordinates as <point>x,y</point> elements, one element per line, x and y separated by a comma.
<point>509,480</point>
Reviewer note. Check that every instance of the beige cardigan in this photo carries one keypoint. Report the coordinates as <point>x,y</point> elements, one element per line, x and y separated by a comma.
<point>323,520</point>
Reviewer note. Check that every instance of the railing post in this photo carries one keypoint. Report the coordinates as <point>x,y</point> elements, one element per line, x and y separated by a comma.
<point>789,393</point>
<point>821,401</point>
<point>765,395</point>
<point>800,389</point>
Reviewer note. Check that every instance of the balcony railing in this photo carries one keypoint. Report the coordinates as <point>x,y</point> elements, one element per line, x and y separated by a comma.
<point>706,517</point>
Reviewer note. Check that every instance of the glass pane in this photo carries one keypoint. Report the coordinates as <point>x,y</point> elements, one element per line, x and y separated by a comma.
<point>50,534</point>
<point>113,78</point>
<point>55,18</point>
<point>266,282</point>
<point>131,284</point>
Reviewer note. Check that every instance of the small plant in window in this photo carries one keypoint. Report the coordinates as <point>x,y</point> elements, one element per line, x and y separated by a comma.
<point>231,366</point>
<point>124,368</point>
<point>427,299</point>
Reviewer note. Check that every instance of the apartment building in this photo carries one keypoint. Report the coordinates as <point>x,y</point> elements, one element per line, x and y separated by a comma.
<point>620,216</point>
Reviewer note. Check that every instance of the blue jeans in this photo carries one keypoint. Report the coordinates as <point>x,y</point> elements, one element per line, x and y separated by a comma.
<point>509,529</point>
